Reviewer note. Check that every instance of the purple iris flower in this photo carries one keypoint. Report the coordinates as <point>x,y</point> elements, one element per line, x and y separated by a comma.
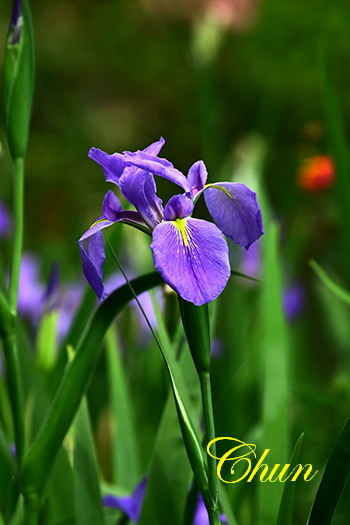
<point>5,221</point>
<point>294,301</point>
<point>132,505</point>
<point>31,290</point>
<point>190,254</point>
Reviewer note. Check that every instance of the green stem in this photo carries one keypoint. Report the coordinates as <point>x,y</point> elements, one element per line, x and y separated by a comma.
<point>18,232</point>
<point>209,426</point>
<point>15,392</point>
<point>31,508</point>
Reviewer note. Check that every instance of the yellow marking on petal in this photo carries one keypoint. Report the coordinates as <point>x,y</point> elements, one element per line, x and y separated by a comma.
<point>181,226</point>
<point>97,222</point>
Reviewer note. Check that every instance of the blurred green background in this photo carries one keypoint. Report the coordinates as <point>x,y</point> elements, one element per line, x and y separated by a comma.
<point>119,74</point>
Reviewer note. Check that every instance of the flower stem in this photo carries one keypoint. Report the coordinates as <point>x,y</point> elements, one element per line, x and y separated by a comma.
<point>18,233</point>
<point>204,379</point>
<point>31,508</point>
<point>15,392</point>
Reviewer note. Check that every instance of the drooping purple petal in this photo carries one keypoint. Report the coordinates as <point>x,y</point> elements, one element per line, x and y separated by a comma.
<point>5,221</point>
<point>158,166</point>
<point>178,207</point>
<point>197,177</point>
<point>235,210</point>
<point>130,505</point>
<point>192,257</point>
<point>92,253</point>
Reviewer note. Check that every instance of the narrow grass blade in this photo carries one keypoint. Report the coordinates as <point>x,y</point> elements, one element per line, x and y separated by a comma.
<point>9,489</point>
<point>88,500</point>
<point>274,352</point>
<point>333,481</point>
<point>331,285</point>
<point>125,469</point>
<point>74,382</point>
<point>169,472</point>
<point>285,513</point>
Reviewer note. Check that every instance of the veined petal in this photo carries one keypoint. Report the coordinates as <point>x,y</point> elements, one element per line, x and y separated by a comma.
<point>138,187</point>
<point>192,257</point>
<point>152,149</point>
<point>158,166</point>
<point>197,177</point>
<point>235,210</point>
<point>92,252</point>
<point>113,165</point>
<point>111,206</point>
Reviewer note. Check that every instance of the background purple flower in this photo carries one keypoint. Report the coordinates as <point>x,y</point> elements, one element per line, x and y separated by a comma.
<point>5,221</point>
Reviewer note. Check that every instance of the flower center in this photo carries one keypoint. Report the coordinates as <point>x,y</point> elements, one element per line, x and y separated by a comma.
<point>181,226</point>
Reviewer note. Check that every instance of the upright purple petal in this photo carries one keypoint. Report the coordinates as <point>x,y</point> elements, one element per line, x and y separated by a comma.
<point>197,177</point>
<point>158,166</point>
<point>139,189</point>
<point>178,207</point>
<point>192,257</point>
<point>236,212</point>
<point>111,206</point>
<point>130,505</point>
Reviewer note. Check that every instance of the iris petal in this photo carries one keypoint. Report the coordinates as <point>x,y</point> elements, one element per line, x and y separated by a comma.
<point>178,207</point>
<point>91,243</point>
<point>130,505</point>
<point>158,166</point>
<point>235,210</point>
<point>114,165</point>
<point>138,187</point>
<point>197,177</point>
<point>192,257</point>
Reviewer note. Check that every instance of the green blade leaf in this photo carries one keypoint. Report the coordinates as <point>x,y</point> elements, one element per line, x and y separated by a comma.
<point>274,351</point>
<point>169,472</point>
<point>88,500</point>
<point>333,481</point>
<point>65,404</point>
<point>126,472</point>
<point>285,513</point>
<point>331,285</point>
